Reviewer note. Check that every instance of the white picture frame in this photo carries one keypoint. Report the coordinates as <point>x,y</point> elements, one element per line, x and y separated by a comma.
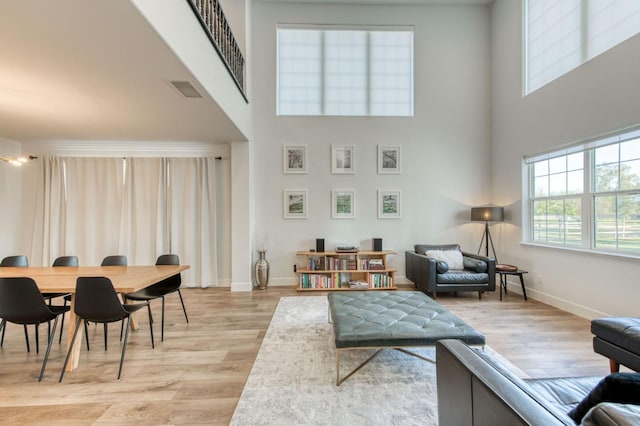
<point>389,159</point>
<point>389,204</point>
<point>343,159</point>
<point>295,203</point>
<point>343,204</point>
<point>294,159</point>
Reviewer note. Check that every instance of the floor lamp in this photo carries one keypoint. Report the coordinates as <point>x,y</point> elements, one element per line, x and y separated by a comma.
<point>486,215</point>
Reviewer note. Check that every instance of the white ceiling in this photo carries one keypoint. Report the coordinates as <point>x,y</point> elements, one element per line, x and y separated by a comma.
<point>95,70</point>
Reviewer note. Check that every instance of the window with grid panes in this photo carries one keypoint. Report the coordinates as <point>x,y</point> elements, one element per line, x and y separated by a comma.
<point>348,72</point>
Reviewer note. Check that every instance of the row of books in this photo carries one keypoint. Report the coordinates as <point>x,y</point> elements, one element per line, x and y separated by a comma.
<point>334,280</point>
<point>371,264</point>
<point>341,264</point>
<point>380,281</point>
<point>318,263</point>
<point>315,263</point>
<point>342,280</point>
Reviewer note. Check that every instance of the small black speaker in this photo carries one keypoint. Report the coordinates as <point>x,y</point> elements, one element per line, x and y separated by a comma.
<point>320,245</point>
<point>377,244</point>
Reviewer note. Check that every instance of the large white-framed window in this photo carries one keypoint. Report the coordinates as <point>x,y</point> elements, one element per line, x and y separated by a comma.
<point>352,71</point>
<point>587,195</point>
<point>560,35</point>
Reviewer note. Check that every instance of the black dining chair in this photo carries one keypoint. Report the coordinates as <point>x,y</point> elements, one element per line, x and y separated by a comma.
<point>19,262</point>
<point>66,261</point>
<point>71,261</point>
<point>22,303</point>
<point>117,260</point>
<point>96,300</point>
<point>163,288</point>
<point>15,261</point>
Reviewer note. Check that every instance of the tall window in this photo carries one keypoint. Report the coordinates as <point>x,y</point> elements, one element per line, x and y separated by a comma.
<point>562,34</point>
<point>345,72</point>
<point>557,186</point>
<point>588,195</point>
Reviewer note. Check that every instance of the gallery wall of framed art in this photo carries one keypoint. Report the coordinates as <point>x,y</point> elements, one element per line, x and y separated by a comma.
<point>295,161</point>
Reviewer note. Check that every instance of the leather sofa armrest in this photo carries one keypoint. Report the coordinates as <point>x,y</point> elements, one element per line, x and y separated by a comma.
<point>420,269</point>
<point>471,391</point>
<point>491,267</point>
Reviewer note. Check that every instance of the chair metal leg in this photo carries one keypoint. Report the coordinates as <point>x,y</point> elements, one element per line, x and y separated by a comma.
<point>124,346</point>
<point>153,346</point>
<point>26,337</point>
<point>73,341</point>
<point>162,329</point>
<point>38,338</point>
<point>86,335</point>
<point>2,326</point>
<point>105,335</point>
<point>62,322</point>
<point>183,308</point>
<point>52,335</point>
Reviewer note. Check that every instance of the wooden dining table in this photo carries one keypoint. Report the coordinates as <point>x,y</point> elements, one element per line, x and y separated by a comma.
<point>62,279</point>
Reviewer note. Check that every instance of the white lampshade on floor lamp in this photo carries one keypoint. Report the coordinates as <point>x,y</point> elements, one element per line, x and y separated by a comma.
<point>486,215</point>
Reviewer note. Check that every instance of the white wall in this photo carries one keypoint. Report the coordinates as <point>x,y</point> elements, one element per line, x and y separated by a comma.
<point>445,146</point>
<point>600,96</point>
<point>11,195</point>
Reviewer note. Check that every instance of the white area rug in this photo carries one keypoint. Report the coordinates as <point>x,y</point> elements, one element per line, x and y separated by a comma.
<point>293,379</point>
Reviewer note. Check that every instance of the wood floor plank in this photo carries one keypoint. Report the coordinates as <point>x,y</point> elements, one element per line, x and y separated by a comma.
<point>197,374</point>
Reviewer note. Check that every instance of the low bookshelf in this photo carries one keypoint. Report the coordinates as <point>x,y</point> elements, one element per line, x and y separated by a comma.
<point>331,270</point>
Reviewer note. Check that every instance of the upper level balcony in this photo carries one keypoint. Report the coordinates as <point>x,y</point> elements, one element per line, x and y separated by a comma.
<point>215,24</point>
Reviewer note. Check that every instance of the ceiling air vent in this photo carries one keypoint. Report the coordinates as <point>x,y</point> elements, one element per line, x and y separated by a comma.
<point>187,90</point>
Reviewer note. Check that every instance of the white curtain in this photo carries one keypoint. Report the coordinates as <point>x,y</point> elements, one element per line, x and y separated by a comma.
<point>94,188</point>
<point>48,233</point>
<point>144,230</point>
<point>192,197</point>
<point>138,207</point>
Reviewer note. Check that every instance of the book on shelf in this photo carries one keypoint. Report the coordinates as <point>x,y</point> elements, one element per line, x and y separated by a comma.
<point>376,264</point>
<point>315,263</point>
<point>380,281</point>
<point>341,263</point>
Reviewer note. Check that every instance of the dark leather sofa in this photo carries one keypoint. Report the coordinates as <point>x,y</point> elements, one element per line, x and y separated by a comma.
<point>476,389</point>
<point>423,271</point>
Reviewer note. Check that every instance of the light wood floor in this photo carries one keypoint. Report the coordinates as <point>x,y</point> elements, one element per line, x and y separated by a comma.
<point>197,374</point>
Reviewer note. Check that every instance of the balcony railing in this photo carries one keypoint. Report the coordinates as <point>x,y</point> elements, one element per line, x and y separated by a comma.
<point>213,21</point>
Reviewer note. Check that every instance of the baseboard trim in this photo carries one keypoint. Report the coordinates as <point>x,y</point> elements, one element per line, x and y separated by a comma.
<point>556,302</point>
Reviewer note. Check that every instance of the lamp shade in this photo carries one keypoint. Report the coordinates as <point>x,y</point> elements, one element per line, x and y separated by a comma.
<point>487,214</point>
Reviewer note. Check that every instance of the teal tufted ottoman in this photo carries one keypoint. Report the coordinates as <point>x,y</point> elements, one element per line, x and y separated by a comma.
<point>392,319</point>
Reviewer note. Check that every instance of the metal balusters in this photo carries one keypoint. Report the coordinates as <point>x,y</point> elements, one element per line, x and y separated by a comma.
<point>215,24</point>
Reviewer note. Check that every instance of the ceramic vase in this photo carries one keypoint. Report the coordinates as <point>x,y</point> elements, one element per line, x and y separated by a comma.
<point>262,271</point>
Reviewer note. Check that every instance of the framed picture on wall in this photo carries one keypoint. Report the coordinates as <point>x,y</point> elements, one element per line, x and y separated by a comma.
<point>389,204</point>
<point>294,159</point>
<point>343,159</point>
<point>295,203</point>
<point>389,159</point>
<point>343,204</point>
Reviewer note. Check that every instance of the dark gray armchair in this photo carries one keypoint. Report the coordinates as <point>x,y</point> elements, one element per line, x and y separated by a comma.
<point>433,276</point>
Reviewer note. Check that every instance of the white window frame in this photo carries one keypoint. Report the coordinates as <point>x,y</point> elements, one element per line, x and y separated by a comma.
<point>587,197</point>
